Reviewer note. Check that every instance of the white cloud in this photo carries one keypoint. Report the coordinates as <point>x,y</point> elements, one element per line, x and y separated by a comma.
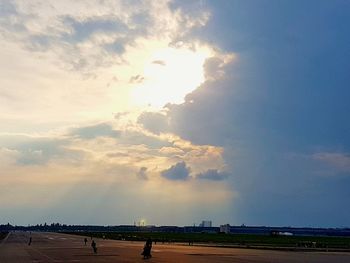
<point>107,145</point>
<point>101,168</point>
<point>65,55</point>
<point>65,73</point>
<point>337,160</point>
<point>90,34</point>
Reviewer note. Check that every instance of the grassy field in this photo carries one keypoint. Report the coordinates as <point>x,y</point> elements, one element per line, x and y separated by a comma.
<point>226,239</point>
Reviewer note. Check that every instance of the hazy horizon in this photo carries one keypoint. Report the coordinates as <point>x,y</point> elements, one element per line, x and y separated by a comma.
<point>149,224</point>
<point>175,111</point>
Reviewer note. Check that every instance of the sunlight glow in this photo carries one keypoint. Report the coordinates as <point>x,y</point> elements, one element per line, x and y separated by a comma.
<point>169,75</point>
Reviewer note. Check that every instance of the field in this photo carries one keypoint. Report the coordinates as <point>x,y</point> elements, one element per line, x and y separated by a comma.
<point>3,235</point>
<point>240,240</point>
<point>58,247</point>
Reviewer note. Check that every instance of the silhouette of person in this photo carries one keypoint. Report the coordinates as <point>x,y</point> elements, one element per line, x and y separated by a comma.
<point>147,249</point>
<point>85,241</point>
<point>30,241</point>
<point>93,245</point>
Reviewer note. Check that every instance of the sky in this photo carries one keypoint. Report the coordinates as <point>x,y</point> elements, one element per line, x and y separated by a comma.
<point>174,112</point>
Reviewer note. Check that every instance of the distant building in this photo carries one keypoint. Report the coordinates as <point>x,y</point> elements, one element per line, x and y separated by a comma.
<point>279,233</point>
<point>205,224</point>
<point>199,229</point>
<point>225,229</point>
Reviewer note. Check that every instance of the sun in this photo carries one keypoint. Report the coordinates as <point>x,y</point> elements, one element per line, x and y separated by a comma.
<point>169,75</point>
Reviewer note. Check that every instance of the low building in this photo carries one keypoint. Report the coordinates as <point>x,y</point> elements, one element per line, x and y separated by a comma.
<point>205,223</point>
<point>225,229</point>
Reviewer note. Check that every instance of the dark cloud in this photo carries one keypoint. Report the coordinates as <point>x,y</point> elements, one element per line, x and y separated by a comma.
<point>201,119</point>
<point>36,150</point>
<point>142,173</point>
<point>39,43</point>
<point>266,105</point>
<point>7,9</point>
<point>154,122</point>
<point>214,68</point>
<point>138,138</point>
<point>212,174</point>
<point>120,115</point>
<point>178,171</point>
<point>117,46</point>
<point>159,62</point>
<point>82,30</point>
<point>136,79</point>
<point>142,19</point>
<point>34,157</point>
<point>99,130</point>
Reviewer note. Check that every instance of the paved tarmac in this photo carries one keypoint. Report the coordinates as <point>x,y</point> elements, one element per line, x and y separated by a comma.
<point>54,247</point>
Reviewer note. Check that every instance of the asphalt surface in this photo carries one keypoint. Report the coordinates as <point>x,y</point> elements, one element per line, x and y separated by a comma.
<point>53,247</point>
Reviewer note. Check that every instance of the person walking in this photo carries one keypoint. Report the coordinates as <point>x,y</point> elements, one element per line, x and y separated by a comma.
<point>94,247</point>
<point>147,249</point>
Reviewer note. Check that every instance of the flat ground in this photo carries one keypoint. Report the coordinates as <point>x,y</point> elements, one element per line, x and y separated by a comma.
<point>53,247</point>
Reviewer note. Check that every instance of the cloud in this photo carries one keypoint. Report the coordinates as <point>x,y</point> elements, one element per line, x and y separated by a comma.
<point>159,62</point>
<point>142,173</point>
<point>113,146</point>
<point>92,34</point>
<point>136,79</point>
<point>8,156</point>
<point>112,168</point>
<point>190,119</point>
<point>98,130</point>
<point>134,137</point>
<point>51,27</point>
<point>212,174</point>
<point>7,8</point>
<point>172,151</point>
<point>339,161</point>
<point>68,59</point>
<point>34,149</point>
<point>194,13</point>
<point>154,121</point>
<point>83,30</point>
<point>214,67</point>
<point>176,172</point>
<point>179,118</point>
<point>68,56</point>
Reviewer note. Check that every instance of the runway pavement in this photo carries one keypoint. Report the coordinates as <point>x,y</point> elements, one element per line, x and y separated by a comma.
<point>54,247</point>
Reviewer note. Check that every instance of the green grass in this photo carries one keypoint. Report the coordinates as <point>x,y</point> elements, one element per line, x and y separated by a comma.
<point>233,239</point>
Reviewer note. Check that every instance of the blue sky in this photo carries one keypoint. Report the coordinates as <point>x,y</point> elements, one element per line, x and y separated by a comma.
<point>240,106</point>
